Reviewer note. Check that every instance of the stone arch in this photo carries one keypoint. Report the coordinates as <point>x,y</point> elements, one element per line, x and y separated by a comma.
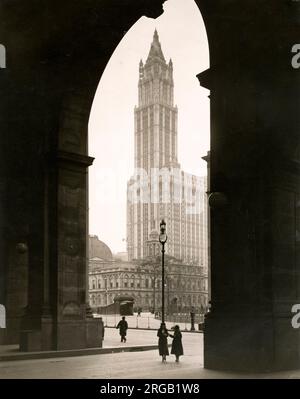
<point>54,99</point>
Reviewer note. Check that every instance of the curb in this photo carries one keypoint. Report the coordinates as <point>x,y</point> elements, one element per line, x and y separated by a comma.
<point>74,353</point>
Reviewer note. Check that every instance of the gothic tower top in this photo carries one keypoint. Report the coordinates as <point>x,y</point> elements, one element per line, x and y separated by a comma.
<point>155,53</point>
<point>156,115</point>
<point>156,77</point>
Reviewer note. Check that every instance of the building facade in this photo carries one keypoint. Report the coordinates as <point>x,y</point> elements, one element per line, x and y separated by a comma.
<point>185,284</point>
<point>159,188</point>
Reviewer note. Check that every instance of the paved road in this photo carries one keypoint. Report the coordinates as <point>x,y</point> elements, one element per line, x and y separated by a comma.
<point>127,365</point>
<point>137,337</point>
<point>147,320</point>
<point>134,337</point>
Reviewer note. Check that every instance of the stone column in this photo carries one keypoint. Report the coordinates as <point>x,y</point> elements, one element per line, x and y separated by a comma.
<point>73,330</point>
<point>255,186</point>
<point>2,255</point>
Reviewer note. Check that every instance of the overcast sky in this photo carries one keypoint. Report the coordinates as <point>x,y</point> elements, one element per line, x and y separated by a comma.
<point>111,127</point>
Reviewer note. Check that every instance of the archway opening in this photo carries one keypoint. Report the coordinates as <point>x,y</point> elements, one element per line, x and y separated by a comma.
<point>149,104</point>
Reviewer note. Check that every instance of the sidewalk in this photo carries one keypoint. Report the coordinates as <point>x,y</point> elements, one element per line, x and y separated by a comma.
<point>144,339</point>
<point>137,340</point>
<point>127,365</point>
<point>124,364</point>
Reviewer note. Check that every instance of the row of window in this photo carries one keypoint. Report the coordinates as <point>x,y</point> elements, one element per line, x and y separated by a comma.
<point>172,283</point>
<point>148,94</point>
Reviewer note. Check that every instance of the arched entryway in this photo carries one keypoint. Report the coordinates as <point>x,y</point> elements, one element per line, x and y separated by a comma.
<point>254,103</point>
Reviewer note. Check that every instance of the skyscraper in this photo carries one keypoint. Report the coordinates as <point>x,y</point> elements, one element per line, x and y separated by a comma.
<point>159,188</point>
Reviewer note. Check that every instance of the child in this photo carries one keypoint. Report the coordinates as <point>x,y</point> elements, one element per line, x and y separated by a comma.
<point>177,348</point>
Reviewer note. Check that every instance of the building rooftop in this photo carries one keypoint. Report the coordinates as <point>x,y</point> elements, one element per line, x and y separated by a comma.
<point>98,249</point>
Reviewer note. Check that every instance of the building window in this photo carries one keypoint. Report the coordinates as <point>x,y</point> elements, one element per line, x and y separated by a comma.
<point>126,284</point>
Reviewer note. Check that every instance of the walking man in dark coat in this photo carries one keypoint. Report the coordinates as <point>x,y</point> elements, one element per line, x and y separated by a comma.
<point>123,327</point>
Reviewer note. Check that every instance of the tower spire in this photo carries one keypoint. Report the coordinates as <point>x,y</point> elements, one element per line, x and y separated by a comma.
<point>155,50</point>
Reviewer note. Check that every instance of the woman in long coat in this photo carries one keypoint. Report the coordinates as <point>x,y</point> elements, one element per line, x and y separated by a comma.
<point>162,334</point>
<point>177,348</point>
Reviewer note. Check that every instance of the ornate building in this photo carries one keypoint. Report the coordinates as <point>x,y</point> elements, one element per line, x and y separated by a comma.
<point>185,284</point>
<point>159,188</point>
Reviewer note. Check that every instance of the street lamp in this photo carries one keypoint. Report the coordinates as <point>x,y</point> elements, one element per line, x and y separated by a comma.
<point>163,239</point>
<point>168,294</point>
<point>154,271</point>
<point>106,299</point>
<point>153,286</point>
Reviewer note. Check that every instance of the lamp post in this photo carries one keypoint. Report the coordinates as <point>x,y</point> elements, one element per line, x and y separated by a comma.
<point>154,269</point>
<point>106,300</point>
<point>154,282</point>
<point>163,239</point>
<point>168,294</point>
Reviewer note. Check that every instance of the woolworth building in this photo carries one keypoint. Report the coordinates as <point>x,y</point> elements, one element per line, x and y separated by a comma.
<point>159,188</point>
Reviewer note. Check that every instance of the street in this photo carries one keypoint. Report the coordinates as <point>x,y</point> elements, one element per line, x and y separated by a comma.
<point>129,365</point>
<point>147,320</point>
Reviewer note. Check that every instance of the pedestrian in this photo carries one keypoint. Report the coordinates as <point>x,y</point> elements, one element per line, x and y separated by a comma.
<point>162,334</point>
<point>177,348</point>
<point>123,327</point>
